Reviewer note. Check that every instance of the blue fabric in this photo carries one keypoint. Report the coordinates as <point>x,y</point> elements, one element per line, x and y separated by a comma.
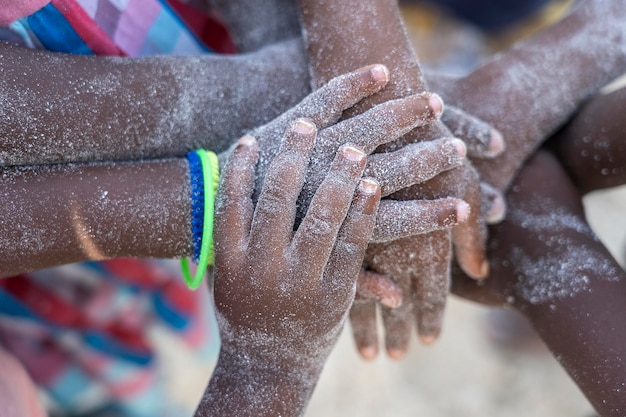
<point>55,33</point>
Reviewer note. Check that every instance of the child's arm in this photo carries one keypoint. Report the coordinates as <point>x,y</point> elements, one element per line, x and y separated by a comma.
<point>591,147</point>
<point>67,108</point>
<point>282,298</point>
<point>66,213</point>
<point>547,263</point>
<point>532,89</point>
<point>345,33</point>
<point>69,213</point>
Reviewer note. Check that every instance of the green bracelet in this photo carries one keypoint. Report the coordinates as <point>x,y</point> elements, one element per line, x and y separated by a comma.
<point>210,175</point>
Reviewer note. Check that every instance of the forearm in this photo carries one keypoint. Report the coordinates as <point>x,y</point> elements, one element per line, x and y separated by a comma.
<point>343,35</point>
<point>240,386</point>
<point>69,213</point>
<point>585,331</point>
<point>591,146</point>
<point>68,108</point>
<point>541,82</point>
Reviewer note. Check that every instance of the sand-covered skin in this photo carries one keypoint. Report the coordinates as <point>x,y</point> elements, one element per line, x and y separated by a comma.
<point>548,264</point>
<point>546,78</point>
<point>57,108</point>
<point>340,34</point>
<point>282,298</point>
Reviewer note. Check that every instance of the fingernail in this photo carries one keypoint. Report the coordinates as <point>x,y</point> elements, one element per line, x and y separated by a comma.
<point>461,149</point>
<point>484,269</point>
<point>391,302</point>
<point>497,211</point>
<point>436,104</point>
<point>380,73</point>
<point>428,339</point>
<point>369,353</point>
<point>353,154</point>
<point>368,186</point>
<point>247,141</point>
<point>396,354</point>
<point>496,143</point>
<point>463,211</point>
<point>303,127</point>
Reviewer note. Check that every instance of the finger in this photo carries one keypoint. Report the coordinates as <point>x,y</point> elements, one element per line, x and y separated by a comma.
<point>414,163</point>
<point>233,207</point>
<point>326,105</point>
<point>400,219</point>
<point>314,240</point>
<point>470,238</point>
<point>372,286</point>
<point>482,140</point>
<point>383,123</point>
<point>432,286</point>
<point>363,323</point>
<point>272,226</point>
<point>398,323</point>
<point>345,262</point>
<point>493,203</point>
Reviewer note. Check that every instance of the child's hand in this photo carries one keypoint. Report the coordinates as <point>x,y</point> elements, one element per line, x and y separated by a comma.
<point>546,78</point>
<point>282,296</point>
<point>394,170</point>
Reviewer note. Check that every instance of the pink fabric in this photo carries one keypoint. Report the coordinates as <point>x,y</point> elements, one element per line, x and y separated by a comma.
<point>11,10</point>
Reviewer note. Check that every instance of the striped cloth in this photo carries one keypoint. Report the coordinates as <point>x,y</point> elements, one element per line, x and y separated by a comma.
<point>84,331</point>
<point>122,28</point>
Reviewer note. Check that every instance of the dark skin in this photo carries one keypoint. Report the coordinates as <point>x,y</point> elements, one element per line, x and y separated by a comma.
<point>542,93</point>
<point>336,39</point>
<point>106,210</point>
<point>547,263</point>
<point>580,314</point>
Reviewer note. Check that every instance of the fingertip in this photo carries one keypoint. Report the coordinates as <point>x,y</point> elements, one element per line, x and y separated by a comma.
<point>461,148</point>
<point>391,300</point>
<point>303,126</point>
<point>484,269</point>
<point>497,211</point>
<point>463,210</point>
<point>247,141</point>
<point>380,73</point>
<point>369,186</point>
<point>436,104</point>
<point>496,144</point>
<point>369,353</point>
<point>429,339</point>
<point>396,354</point>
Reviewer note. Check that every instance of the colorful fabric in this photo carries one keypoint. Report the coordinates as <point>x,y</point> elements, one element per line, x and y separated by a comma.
<point>84,331</point>
<point>122,28</point>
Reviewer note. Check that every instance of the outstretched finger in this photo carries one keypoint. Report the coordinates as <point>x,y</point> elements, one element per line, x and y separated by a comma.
<point>314,240</point>
<point>272,226</point>
<point>432,286</point>
<point>400,219</point>
<point>414,163</point>
<point>470,237</point>
<point>482,140</point>
<point>233,207</point>
<point>384,123</point>
<point>344,265</point>
<point>363,323</point>
<point>326,105</point>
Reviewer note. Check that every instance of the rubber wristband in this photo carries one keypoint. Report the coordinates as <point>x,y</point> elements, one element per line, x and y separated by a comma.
<point>210,176</point>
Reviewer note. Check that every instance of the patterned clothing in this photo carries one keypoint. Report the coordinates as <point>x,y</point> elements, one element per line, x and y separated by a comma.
<point>84,331</point>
